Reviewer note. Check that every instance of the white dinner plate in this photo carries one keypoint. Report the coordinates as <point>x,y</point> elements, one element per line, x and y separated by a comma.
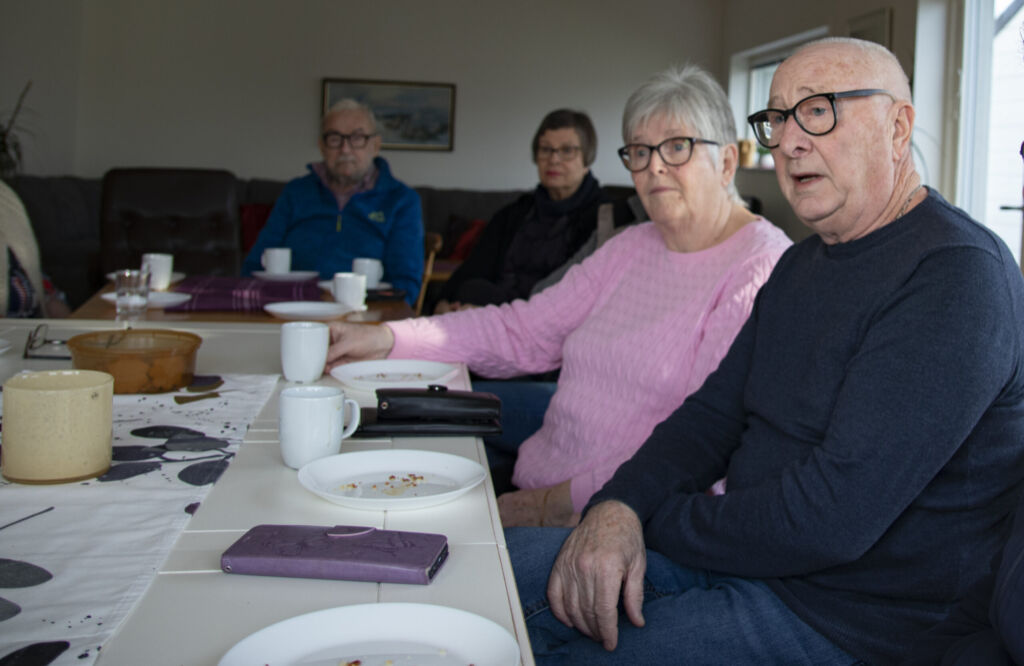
<point>157,299</point>
<point>307,310</point>
<point>377,634</point>
<point>393,373</point>
<point>328,285</point>
<point>175,276</point>
<point>290,276</point>
<point>392,479</point>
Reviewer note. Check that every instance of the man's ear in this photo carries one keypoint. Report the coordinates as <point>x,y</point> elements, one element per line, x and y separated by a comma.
<point>903,130</point>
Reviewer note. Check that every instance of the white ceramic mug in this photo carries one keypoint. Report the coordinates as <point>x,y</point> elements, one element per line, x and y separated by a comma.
<point>350,289</point>
<point>57,425</point>
<point>304,350</point>
<point>277,259</point>
<point>160,267</point>
<point>371,268</point>
<point>312,423</point>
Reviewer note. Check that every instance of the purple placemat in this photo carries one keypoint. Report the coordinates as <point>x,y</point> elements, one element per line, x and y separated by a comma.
<point>241,294</point>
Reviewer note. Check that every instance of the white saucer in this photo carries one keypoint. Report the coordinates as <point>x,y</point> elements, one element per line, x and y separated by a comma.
<point>307,310</point>
<point>157,299</point>
<point>328,285</point>
<point>175,276</point>
<point>290,276</point>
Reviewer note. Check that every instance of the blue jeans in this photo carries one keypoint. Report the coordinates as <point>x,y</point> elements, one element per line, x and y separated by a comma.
<point>523,404</point>
<point>691,616</point>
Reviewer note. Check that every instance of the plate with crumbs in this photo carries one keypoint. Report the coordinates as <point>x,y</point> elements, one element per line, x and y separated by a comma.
<point>394,373</point>
<point>391,479</point>
<point>393,634</point>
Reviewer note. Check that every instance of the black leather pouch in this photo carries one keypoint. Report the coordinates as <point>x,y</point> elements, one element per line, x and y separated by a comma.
<point>435,410</point>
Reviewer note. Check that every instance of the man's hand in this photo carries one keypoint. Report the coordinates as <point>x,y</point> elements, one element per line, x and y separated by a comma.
<point>358,342</point>
<point>602,557</point>
<point>538,507</point>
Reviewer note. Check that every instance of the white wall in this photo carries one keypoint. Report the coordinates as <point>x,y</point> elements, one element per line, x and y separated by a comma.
<point>236,83</point>
<point>41,42</point>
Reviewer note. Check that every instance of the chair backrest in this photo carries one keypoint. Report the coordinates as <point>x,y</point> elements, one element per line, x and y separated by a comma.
<point>190,213</point>
<point>432,242</point>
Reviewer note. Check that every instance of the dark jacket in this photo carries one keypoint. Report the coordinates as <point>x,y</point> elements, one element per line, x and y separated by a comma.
<point>505,263</point>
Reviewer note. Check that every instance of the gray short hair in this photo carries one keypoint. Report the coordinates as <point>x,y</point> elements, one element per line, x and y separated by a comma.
<point>688,94</point>
<point>349,104</point>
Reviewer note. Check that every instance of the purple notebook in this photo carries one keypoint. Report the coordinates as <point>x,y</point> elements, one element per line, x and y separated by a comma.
<point>342,552</point>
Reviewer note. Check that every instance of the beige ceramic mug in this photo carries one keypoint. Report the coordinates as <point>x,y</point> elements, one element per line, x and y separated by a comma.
<point>57,426</point>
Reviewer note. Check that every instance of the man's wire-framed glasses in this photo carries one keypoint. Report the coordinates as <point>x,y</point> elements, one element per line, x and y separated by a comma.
<point>337,139</point>
<point>675,151</point>
<point>815,114</point>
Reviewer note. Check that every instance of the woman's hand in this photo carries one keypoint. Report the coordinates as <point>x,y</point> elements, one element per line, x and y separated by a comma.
<point>538,507</point>
<point>358,342</point>
<point>602,559</point>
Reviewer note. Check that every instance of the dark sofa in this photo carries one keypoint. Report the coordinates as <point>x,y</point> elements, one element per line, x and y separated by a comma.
<point>76,253</point>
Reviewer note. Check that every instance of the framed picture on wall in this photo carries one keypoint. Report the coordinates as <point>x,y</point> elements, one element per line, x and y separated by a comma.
<point>873,26</point>
<point>410,115</point>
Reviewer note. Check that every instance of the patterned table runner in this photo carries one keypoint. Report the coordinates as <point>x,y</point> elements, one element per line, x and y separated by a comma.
<point>75,558</point>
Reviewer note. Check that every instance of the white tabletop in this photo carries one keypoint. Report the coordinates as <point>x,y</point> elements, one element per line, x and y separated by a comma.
<point>193,613</point>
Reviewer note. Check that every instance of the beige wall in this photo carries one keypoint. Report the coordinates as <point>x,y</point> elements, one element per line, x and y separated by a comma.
<point>236,83</point>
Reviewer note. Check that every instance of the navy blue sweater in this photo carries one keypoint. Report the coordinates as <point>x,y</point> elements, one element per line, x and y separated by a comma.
<point>870,418</point>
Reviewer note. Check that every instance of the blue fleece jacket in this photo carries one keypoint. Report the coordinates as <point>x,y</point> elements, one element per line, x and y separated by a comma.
<point>870,420</point>
<point>384,223</point>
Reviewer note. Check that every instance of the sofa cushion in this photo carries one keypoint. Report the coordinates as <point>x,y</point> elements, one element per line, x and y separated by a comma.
<point>253,216</point>
<point>190,213</point>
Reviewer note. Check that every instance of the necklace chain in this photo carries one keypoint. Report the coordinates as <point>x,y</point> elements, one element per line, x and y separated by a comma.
<point>903,209</point>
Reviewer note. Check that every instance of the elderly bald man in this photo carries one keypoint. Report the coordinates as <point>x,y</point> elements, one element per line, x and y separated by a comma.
<point>869,419</point>
<point>348,206</point>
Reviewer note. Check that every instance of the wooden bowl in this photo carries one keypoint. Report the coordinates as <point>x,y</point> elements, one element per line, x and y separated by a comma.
<point>140,360</point>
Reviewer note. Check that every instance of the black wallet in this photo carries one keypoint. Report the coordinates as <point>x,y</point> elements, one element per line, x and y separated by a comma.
<point>435,410</point>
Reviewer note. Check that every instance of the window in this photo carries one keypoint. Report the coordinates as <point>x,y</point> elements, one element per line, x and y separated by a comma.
<point>751,72</point>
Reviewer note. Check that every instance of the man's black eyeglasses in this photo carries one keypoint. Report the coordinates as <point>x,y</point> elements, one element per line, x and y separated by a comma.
<point>336,139</point>
<point>815,115</point>
<point>676,151</point>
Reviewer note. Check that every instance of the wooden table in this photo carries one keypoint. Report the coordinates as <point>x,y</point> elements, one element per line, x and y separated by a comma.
<point>376,311</point>
<point>192,613</point>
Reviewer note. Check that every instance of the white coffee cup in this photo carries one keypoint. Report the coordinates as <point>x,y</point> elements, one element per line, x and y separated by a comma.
<point>312,423</point>
<point>304,350</point>
<point>160,267</point>
<point>277,259</point>
<point>350,289</point>
<point>371,268</point>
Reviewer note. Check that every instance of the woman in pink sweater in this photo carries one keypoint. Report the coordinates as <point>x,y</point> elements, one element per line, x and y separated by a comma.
<point>637,326</point>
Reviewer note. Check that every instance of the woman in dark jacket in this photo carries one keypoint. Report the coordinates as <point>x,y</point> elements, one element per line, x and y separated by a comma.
<point>536,234</point>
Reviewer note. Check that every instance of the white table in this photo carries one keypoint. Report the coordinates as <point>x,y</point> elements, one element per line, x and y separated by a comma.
<point>193,613</point>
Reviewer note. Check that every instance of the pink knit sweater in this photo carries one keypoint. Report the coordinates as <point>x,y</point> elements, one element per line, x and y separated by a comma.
<point>635,328</point>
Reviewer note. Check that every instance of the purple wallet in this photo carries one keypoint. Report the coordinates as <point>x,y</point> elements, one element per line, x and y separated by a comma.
<point>342,552</point>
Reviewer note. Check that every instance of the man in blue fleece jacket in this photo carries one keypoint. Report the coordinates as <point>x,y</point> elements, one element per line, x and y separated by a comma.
<point>348,206</point>
<point>869,419</point>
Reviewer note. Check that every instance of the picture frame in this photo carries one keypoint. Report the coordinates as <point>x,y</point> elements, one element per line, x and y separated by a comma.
<point>410,115</point>
<point>874,26</point>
